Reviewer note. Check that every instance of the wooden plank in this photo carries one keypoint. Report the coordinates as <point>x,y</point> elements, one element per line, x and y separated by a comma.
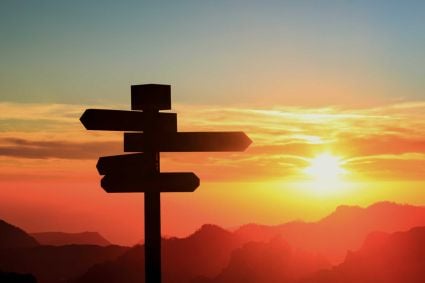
<point>150,96</point>
<point>121,120</point>
<point>122,164</point>
<point>163,182</point>
<point>189,141</point>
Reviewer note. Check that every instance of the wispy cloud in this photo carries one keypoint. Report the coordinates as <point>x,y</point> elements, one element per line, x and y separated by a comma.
<point>15,147</point>
<point>284,137</point>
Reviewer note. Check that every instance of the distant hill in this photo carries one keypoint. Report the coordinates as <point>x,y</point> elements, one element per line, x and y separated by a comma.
<point>14,237</point>
<point>204,253</point>
<point>272,262</point>
<point>344,229</point>
<point>251,254</point>
<point>50,264</point>
<point>62,239</point>
<point>387,258</point>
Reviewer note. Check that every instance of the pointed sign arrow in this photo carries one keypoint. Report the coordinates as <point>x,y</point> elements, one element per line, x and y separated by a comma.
<point>122,120</point>
<point>189,141</point>
<point>163,182</point>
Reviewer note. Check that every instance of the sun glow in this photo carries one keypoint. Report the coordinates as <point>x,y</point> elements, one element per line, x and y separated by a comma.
<point>326,173</point>
<point>325,167</point>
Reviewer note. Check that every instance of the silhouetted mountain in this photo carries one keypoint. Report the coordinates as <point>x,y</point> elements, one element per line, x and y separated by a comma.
<point>384,258</point>
<point>50,264</point>
<point>204,253</point>
<point>344,229</point>
<point>270,262</point>
<point>14,237</point>
<point>62,239</point>
<point>11,277</point>
<point>253,253</point>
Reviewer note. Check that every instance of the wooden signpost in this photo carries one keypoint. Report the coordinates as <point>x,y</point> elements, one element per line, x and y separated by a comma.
<point>139,172</point>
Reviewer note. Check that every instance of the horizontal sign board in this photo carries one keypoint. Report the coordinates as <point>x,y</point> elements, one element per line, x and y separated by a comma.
<point>187,142</point>
<point>121,120</point>
<point>162,182</point>
<point>127,163</point>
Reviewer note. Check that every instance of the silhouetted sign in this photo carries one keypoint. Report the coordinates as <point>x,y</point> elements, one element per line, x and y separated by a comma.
<point>126,163</point>
<point>140,172</point>
<point>163,182</point>
<point>121,120</point>
<point>189,141</point>
<point>150,96</point>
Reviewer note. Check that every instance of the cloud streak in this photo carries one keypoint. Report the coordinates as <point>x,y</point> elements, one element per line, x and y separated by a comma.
<point>15,147</point>
<point>285,138</point>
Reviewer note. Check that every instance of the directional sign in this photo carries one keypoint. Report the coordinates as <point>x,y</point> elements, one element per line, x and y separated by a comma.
<point>163,182</point>
<point>121,120</point>
<point>150,96</point>
<point>140,172</point>
<point>189,141</point>
<point>123,164</point>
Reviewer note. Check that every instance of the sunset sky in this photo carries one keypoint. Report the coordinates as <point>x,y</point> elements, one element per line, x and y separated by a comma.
<point>334,83</point>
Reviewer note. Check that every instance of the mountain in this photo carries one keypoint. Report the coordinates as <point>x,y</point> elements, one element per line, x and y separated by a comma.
<point>271,262</point>
<point>204,253</point>
<point>386,258</point>
<point>344,229</point>
<point>50,264</point>
<point>62,239</point>
<point>253,253</point>
<point>11,277</point>
<point>14,237</point>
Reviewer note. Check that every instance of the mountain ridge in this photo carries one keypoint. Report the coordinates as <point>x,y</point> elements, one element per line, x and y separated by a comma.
<point>65,238</point>
<point>345,228</point>
<point>14,237</point>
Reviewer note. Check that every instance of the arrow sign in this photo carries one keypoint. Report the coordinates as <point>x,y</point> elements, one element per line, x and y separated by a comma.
<point>123,164</point>
<point>189,141</point>
<point>121,120</point>
<point>163,182</point>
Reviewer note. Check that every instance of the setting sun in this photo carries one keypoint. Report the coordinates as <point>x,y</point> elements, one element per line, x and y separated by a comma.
<point>325,167</point>
<point>325,173</point>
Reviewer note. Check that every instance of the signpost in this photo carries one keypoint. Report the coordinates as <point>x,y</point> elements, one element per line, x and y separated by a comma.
<point>139,172</point>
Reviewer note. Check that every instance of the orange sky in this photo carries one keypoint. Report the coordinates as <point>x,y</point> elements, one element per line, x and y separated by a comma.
<point>304,79</point>
<point>49,180</point>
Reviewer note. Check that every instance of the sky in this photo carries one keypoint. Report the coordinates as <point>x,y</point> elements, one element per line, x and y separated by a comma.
<point>331,82</point>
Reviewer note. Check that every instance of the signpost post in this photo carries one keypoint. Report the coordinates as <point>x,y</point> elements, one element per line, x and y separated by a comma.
<point>139,172</point>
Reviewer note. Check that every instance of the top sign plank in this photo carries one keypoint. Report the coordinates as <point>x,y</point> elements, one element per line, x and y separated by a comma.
<point>150,96</point>
<point>121,120</point>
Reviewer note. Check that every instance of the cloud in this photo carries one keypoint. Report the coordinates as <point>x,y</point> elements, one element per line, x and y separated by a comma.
<point>21,148</point>
<point>284,138</point>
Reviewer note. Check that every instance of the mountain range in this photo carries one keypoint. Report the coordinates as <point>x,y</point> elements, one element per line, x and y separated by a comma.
<point>384,257</point>
<point>352,244</point>
<point>344,229</point>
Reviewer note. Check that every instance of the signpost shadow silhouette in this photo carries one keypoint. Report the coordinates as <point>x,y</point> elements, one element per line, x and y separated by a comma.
<point>152,132</point>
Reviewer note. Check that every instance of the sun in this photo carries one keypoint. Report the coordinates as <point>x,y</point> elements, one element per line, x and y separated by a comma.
<point>325,167</point>
<point>325,173</point>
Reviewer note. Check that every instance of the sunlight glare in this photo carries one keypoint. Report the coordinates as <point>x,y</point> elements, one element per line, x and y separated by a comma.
<point>325,173</point>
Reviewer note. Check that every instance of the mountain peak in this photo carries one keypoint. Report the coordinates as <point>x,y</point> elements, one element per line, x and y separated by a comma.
<point>386,205</point>
<point>14,237</point>
<point>347,208</point>
<point>210,230</point>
